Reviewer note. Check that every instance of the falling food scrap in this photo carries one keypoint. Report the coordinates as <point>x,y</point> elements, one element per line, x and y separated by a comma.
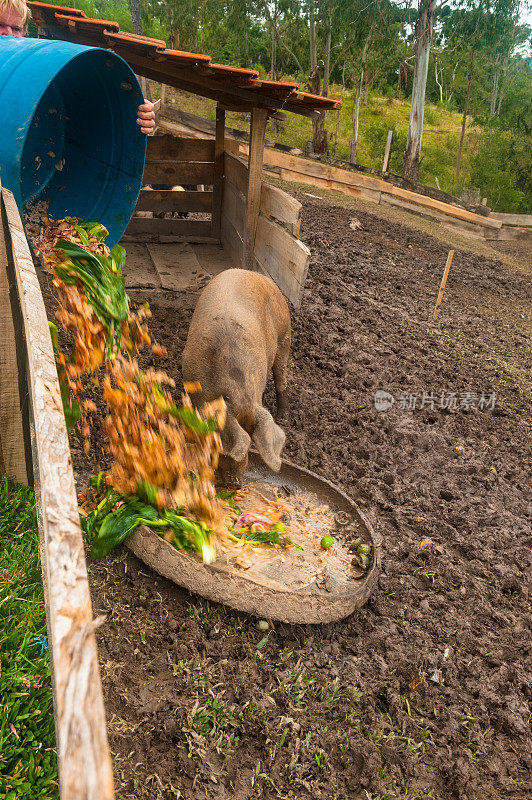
<point>38,161</point>
<point>51,154</point>
<point>60,164</point>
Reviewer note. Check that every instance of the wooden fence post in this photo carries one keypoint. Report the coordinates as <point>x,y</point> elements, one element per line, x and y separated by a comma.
<point>387,151</point>
<point>442,286</point>
<point>259,118</point>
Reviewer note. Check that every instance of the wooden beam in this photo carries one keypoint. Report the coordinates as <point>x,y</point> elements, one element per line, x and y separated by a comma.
<point>325,172</point>
<point>510,233</point>
<point>13,452</point>
<point>170,238</point>
<point>168,200</point>
<point>219,143</point>
<point>259,118</point>
<point>170,227</point>
<point>513,219</point>
<point>165,147</point>
<point>180,172</point>
<point>326,183</point>
<point>82,751</point>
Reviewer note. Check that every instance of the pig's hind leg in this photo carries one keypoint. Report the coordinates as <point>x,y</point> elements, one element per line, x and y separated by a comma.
<point>280,375</point>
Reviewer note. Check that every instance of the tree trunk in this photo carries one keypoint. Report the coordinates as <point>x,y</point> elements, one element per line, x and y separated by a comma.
<point>274,46</point>
<point>354,138</point>
<point>319,134</point>
<point>319,141</point>
<point>319,130</point>
<point>273,122</point>
<point>412,155</point>
<point>136,16</point>
<point>495,87</point>
<point>312,36</point>
<point>464,121</point>
<point>327,55</point>
<point>501,95</point>
<point>337,129</point>
<point>440,87</point>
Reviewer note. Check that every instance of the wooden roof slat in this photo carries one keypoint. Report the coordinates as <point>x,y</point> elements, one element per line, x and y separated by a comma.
<point>226,70</point>
<point>235,87</point>
<point>138,44</point>
<point>183,57</point>
<point>44,9</point>
<point>89,25</point>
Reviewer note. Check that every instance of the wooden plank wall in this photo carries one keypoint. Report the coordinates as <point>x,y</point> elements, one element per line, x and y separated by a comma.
<point>84,761</point>
<point>278,252</point>
<point>14,412</point>
<point>174,161</point>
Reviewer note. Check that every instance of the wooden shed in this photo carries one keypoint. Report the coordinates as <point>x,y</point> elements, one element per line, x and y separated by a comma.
<point>240,221</point>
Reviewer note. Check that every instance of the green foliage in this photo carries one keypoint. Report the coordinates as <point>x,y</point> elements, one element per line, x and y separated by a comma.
<point>376,135</point>
<point>28,767</point>
<point>116,517</point>
<point>495,169</point>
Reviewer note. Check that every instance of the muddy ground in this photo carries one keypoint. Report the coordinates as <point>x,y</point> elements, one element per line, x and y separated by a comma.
<point>425,692</point>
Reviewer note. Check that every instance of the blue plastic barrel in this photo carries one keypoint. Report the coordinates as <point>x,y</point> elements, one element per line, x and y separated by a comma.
<point>68,132</point>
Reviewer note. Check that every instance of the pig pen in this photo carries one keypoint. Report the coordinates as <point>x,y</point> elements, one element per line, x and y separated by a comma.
<point>424,692</point>
<point>180,255</point>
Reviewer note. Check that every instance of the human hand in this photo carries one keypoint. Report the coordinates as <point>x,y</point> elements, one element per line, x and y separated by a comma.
<point>146,117</point>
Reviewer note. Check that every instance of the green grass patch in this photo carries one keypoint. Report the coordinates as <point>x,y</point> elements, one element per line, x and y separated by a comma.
<point>28,766</point>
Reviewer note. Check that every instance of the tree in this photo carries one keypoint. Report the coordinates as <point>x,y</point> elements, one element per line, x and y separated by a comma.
<point>136,16</point>
<point>354,137</point>
<point>423,41</point>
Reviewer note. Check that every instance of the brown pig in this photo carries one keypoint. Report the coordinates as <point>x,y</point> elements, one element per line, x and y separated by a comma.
<point>240,330</point>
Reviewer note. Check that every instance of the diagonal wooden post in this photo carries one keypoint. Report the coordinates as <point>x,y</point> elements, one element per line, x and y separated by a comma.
<point>387,151</point>
<point>259,118</point>
<point>442,286</point>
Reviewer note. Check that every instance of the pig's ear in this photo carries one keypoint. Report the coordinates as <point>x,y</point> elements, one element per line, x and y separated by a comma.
<point>268,438</point>
<point>236,442</point>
